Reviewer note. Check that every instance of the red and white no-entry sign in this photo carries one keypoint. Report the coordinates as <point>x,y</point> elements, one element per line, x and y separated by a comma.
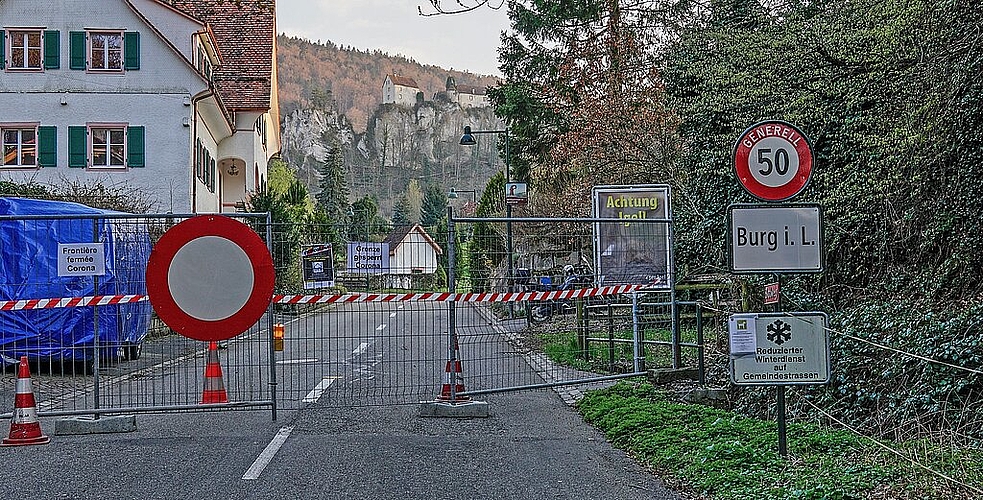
<point>773,160</point>
<point>210,278</point>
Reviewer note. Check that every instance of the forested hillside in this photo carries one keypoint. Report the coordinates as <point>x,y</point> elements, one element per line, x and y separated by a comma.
<point>353,77</point>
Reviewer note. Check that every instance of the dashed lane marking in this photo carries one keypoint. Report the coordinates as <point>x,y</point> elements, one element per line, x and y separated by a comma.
<point>296,361</point>
<point>360,349</point>
<point>319,389</point>
<point>267,455</point>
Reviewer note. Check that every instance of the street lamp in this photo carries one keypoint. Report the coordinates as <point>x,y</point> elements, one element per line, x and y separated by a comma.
<point>468,140</point>
<point>453,194</point>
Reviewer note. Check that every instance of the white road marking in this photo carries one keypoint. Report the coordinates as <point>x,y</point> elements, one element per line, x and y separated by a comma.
<point>400,307</point>
<point>319,389</point>
<point>296,361</point>
<point>266,456</point>
<point>381,327</point>
<point>361,348</point>
<point>392,315</point>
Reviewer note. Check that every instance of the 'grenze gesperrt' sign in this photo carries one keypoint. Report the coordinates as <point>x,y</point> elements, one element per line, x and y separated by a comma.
<point>776,238</point>
<point>81,259</point>
<point>368,258</point>
<point>779,348</point>
<point>637,250</point>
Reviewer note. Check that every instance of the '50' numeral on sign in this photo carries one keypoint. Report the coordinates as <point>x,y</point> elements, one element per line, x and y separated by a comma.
<point>779,162</point>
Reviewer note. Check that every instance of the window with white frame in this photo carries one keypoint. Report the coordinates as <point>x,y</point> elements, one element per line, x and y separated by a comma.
<point>20,146</point>
<point>26,49</point>
<point>103,146</point>
<point>106,50</point>
<point>205,166</point>
<point>204,64</point>
<point>108,147</point>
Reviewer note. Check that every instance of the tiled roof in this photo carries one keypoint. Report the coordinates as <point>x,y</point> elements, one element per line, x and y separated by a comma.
<point>246,33</point>
<point>396,237</point>
<point>404,81</point>
<point>470,89</point>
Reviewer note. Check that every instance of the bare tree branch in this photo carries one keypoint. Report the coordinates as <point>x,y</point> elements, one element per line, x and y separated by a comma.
<point>462,7</point>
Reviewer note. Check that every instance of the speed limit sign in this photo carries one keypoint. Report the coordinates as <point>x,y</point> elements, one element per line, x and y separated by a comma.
<point>773,160</point>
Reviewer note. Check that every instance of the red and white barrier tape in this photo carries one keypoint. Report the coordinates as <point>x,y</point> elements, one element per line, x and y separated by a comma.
<point>107,300</point>
<point>456,297</point>
<point>97,300</point>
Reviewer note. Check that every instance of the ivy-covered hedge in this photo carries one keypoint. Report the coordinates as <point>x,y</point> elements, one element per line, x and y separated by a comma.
<point>901,396</point>
<point>887,93</point>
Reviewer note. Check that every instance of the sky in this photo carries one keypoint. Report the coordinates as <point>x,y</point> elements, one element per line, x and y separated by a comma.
<point>464,42</point>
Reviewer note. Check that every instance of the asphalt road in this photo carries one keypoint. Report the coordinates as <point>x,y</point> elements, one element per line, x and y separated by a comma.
<point>532,445</point>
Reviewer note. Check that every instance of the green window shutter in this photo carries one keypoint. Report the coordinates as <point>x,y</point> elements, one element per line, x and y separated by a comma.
<point>3,51</point>
<point>47,146</point>
<point>131,50</point>
<point>76,49</point>
<point>136,147</point>
<point>77,157</point>
<point>52,49</point>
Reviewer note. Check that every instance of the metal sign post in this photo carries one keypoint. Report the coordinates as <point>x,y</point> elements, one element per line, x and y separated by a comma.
<point>773,162</point>
<point>779,348</point>
<point>780,390</point>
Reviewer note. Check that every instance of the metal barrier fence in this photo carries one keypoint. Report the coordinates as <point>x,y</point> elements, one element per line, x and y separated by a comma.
<point>378,337</point>
<point>609,333</point>
<point>108,354</point>
<point>572,340</point>
<point>361,353</point>
<point>369,338</point>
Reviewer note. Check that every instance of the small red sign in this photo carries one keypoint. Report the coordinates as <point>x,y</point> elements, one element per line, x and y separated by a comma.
<point>772,292</point>
<point>773,160</point>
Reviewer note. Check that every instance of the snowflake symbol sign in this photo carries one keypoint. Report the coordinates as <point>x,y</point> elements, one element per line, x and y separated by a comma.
<point>779,332</point>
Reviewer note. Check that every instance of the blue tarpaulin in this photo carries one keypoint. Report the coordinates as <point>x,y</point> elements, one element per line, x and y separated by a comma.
<point>29,270</point>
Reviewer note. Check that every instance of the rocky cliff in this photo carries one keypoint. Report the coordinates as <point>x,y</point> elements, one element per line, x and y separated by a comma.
<point>400,144</point>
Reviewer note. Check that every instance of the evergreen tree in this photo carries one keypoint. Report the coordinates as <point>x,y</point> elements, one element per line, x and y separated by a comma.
<point>365,224</point>
<point>331,201</point>
<point>486,249</point>
<point>434,206</point>
<point>287,218</point>
<point>332,196</point>
<point>401,211</point>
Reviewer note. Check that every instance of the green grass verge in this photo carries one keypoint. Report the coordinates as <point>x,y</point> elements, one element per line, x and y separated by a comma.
<point>563,347</point>
<point>715,454</point>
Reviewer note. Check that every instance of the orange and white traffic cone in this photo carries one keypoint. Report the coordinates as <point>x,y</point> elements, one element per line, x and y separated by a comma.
<point>214,386</point>
<point>24,426</point>
<point>453,377</point>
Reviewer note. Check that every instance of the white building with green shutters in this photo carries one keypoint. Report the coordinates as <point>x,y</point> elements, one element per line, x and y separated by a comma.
<point>175,98</point>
